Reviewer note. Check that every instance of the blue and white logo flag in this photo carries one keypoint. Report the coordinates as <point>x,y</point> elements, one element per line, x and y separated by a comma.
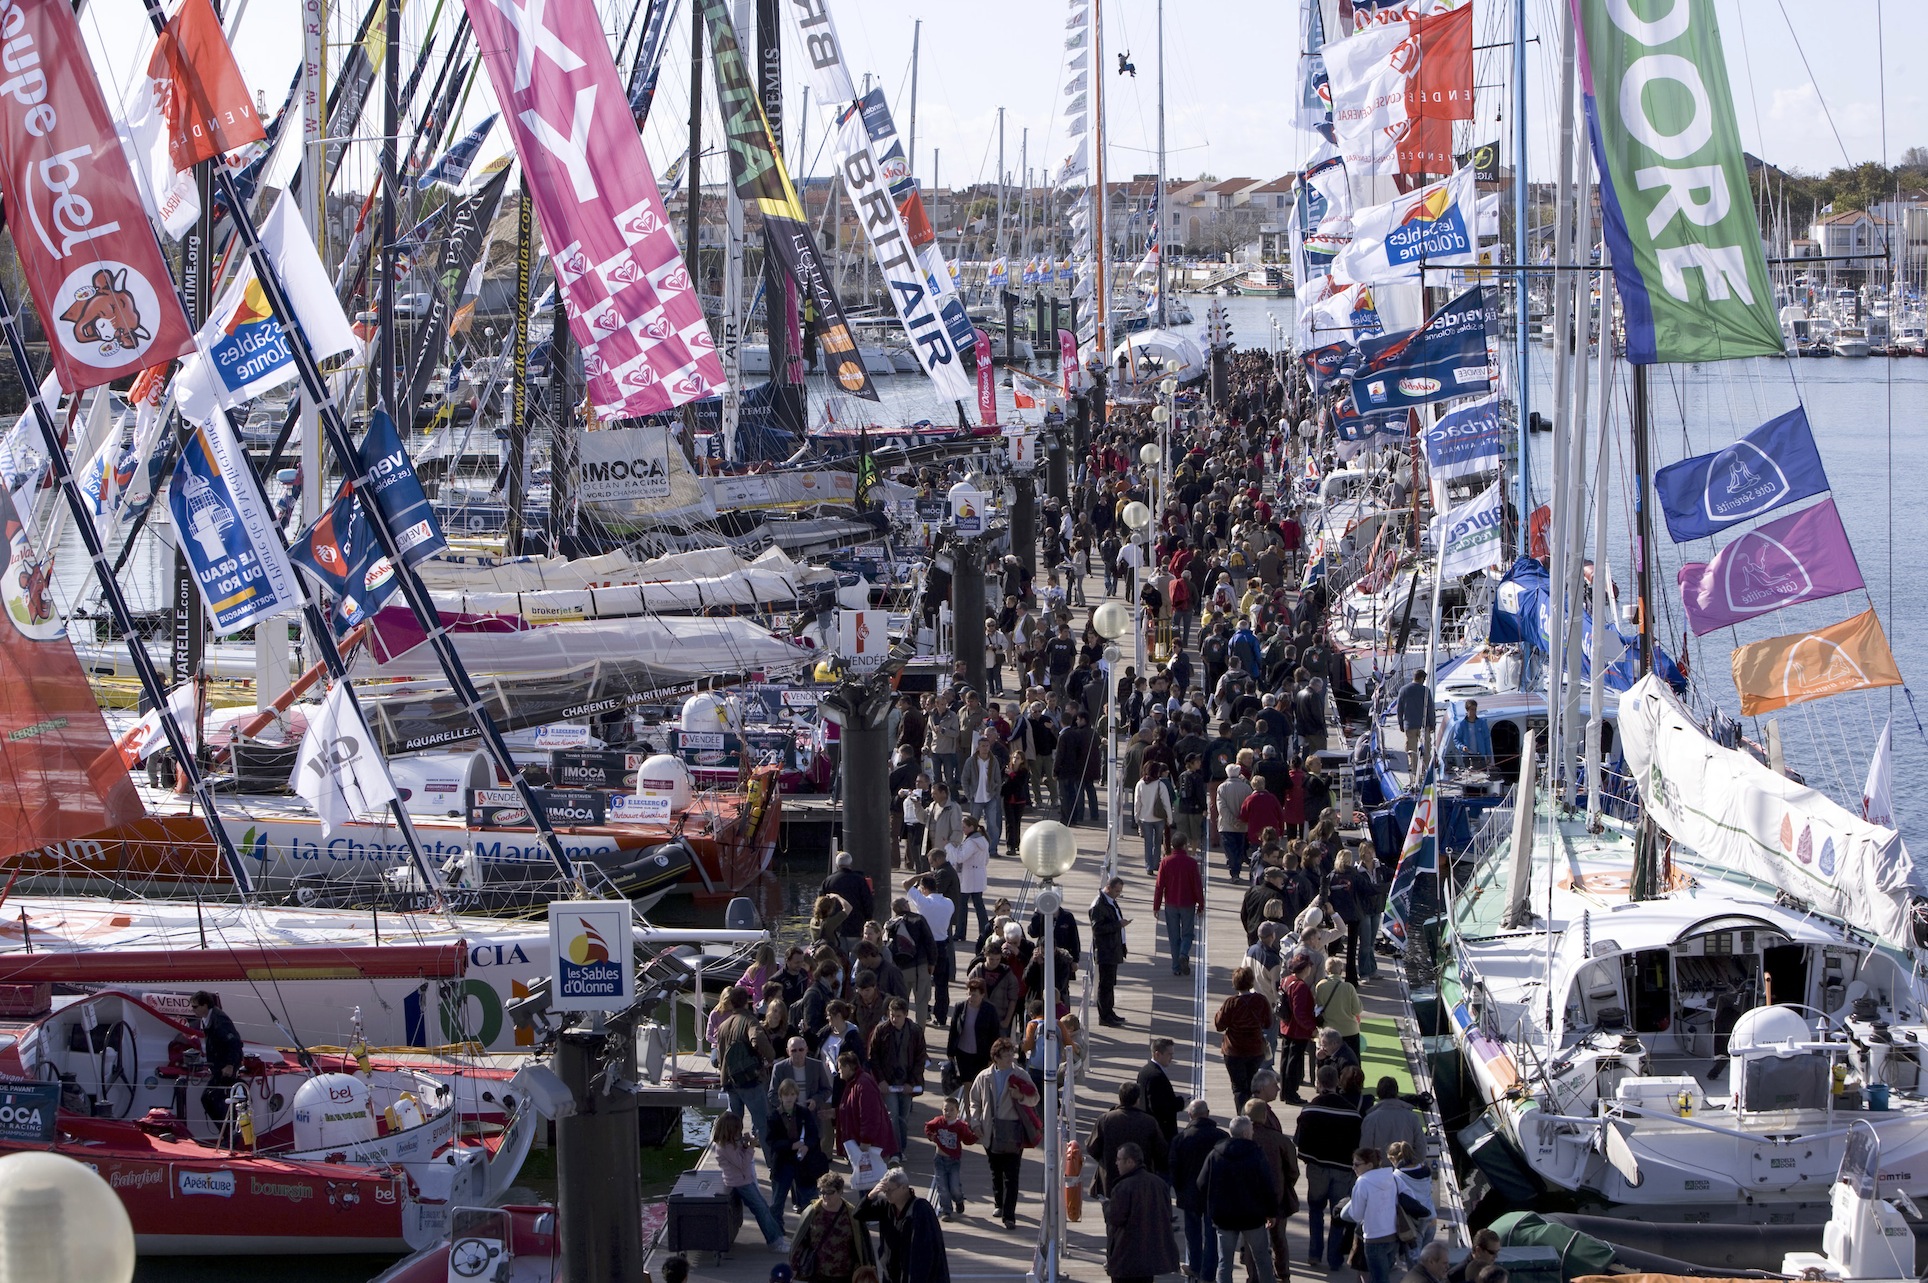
<point>1468,537</point>
<point>227,533</point>
<point>398,493</point>
<point>1446,357</point>
<point>1418,859</point>
<point>1465,442</point>
<point>454,165</point>
<point>1771,466</point>
<point>1433,227</point>
<point>339,770</point>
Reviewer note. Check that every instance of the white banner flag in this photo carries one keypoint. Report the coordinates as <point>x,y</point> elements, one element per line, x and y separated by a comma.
<point>1468,537</point>
<point>1433,226</point>
<point>340,771</point>
<point>1877,795</point>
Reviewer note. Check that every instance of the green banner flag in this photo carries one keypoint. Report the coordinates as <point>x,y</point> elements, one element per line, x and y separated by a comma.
<point>1674,196</point>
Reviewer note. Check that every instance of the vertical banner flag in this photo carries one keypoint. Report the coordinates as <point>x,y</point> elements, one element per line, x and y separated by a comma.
<point>1445,357</point>
<point>339,770</point>
<point>1805,557</point>
<point>1677,209</point>
<point>104,292</point>
<point>229,537</point>
<point>80,785</point>
<point>468,222</point>
<point>941,274</point>
<point>453,167</point>
<point>1465,442</point>
<point>1849,656</point>
<point>342,554</point>
<point>1314,110</point>
<point>1468,537</point>
<point>764,185</point>
<point>1432,227</point>
<point>404,506</point>
<point>986,389</point>
<point>1396,90</point>
<point>649,60</point>
<point>1774,465</point>
<point>1068,360</point>
<point>1877,795</point>
<point>1418,860</point>
<point>632,310</point>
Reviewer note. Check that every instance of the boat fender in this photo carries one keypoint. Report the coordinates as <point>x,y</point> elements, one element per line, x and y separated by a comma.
<point>1073,1181</point>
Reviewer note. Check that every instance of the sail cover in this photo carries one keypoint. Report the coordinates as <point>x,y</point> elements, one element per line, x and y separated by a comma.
<point>59,776</point>
<point>1736,813</point>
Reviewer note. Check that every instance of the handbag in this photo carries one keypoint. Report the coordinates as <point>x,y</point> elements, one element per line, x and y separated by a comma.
<point>1413,1207</point>
<point>947,1077</point>
<point>1032,1125</point>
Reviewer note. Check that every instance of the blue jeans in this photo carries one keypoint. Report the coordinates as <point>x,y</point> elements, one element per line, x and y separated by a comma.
<point>974,900</point>
<point>1257,1241</point>
<point>1153,831</point>
<point>1325,1189</point>
<point>944,766</point>
<point>1382,1256</point>
<point>1179,926</point>
<point>754,1099</point>
<point>950,1184</point>
<point>1201,1245</point>
<point>784,1184</point>
<point>1234,844</point>
<point>991,816</point>
<point>899,1104</point>
<point>766,1220</point>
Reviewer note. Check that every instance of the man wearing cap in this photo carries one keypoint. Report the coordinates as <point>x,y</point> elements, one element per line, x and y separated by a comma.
<point>1231,823</point>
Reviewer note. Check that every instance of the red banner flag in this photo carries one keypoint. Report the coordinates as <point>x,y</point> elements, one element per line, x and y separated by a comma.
<point>1852,655</point>
<point>208,107</point>
<point>92,265</point>
<point>986,390</point>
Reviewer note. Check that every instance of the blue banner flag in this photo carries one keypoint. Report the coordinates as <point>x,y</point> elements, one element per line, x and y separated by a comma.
<point>227,533</point>
<point>454,165</point>
<point>341,552</point>
<point>398,493</point>
<point>1466,442</point>
<point>1445,357</point>
<point>1521,608</point>
<point>1770,467</point>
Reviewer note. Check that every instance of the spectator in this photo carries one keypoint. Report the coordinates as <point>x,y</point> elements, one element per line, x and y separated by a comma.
<point>1190,1148</point>
<point>1283,1158</point>
<point>1415,1187</point>
<point>949,1133</point>
<point>1138,1221</point>
<point>1151,803</point>
<point>847,883</point>
<point>1339,1008</point>
<point>1415,708</point>
<point>736,1156</point>
<point>937,910</point>
<point>1327,1134</point>
<point>1156,1094</point>
<point>999,1097</point>
<point>1241,1020</point>
<point>943,830</point>
<point>974,1028</point>
<point>913,951</point>
<point>830,1240</point>
<point>1354,897</point>
<point>1015,792</point>
<point>1391,1120</point>
<point>1333,1051</point>
<point>1483,1257</point>
<point>1179,892</point>
<point>1267,960</point>
<point>811,1077</point>
<point>1231,824</point>
<point>910,1243</point>
<point>1108,923</point>
<point>1115,1128</point>
<point>1374,1210</point>
<point>1431,1265</point>
<point>898,1057</point>
<point>794,1144</point>
<point>861,1115</point>
<point>1270,889</point>
<point>744,1056</point>
<point>973,860</point>
<point>1000,981</point>
<point>1237,1184</point>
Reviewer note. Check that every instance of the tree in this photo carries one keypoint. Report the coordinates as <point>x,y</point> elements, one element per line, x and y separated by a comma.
<point>1229,232</point>
<point>1914,158</point>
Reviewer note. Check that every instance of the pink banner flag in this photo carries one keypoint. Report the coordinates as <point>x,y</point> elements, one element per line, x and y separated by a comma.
<point>645,346</point>
<point>96,274</point>
<point>1067,358</point>
<point>1805,557</point>
<point>986,389</point>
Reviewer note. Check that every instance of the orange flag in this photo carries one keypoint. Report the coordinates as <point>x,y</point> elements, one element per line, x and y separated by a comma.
<point>1849,656</point>
<point>209,109</point>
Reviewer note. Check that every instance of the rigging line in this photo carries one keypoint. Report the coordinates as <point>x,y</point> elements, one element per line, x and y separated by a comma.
<point>1818,95</point>
<point>1888,362</point>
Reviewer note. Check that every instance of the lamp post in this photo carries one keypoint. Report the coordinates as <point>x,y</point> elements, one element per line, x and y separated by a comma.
<point>1138,520</point>
<point>1111,620</point>
<point>1048,850</point>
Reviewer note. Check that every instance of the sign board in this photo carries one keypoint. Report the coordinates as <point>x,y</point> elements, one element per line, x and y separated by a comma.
<point>592,962</point>
<point>863,639</point>
<point>27,1112</point>
<point>578,768</point>
<point>967,509</point>
<point>933,511</point>
<point>627,808</point>
<point>623,464</point>
<point>503,808</point>
<point>1024,449</point>
<point>562,735</point>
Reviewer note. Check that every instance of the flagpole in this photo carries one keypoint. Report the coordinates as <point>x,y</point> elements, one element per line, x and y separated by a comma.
<point>1158,207</point>
<point>1522,352</point>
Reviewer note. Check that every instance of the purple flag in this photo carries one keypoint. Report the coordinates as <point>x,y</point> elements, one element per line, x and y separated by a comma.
<point>1804,557</point>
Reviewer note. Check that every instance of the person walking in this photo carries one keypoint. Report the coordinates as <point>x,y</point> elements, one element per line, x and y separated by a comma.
<point>1231,822</point>
<point>910,1242</point>
<point>1190,1148</point>
<point>1016,794</point>
<point>1127,1124</point>
<point>1241,1022</point>
<point>1159,1099</point>
<point>1415,710</point>
<point>999,1098</point>
<point>1138,1221</point>
<point>794,1146</point>
<point>949,1133</point>
<point>1298,1026</point>
<point>898,1059</point>
<point>913,951</point>
<point>1179,893</point>
<point>1075,745</point>
<point>1108,923</point>
<point>1327,1134</point>
<point>1353,895</point>
<point>1284,1157</point>
<point>861,1114</point>
<point>1151,803</point>
<point>1374,1212</point>
<point>736,1157</point>
<point>1390,1121</point>
<point>850,885</point>
<point>1339,1008</point>
<point>973,860</point>
<point>943,824</point>
<point>830,1244</point>
<point>744,1055</point>
<point>1237,1184</point>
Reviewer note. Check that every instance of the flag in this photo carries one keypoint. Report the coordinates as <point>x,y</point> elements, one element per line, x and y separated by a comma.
<point>1022,400</point>
<point>339,770</point>
<point>1432,227</point>
<point>340,551</point>
<point>468,224</point>
<point>1877,795</point>
<point>398,493</point>
<point>1465,442</point>
<point>1314,109</point>
<point>1468,537</point>
<point>649,62</point>
<point>986,389</point>
<point>1396,89</point>
<point>1849,656</point>
<point>223,527</point>
<point>244,350</point>
<point>1445,357</point>
<point>1805,557</point>
<point>454,165</point>
<point>141,740</point>
<point>1675,195</point>
<point>1418,860</point>
<point>1000,273</point>
<point>1774,465</point>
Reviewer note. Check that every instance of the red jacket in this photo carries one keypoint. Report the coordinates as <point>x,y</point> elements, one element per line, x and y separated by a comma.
<point>1261,811</point>
<point>1295,1011</point>
<point>1242,1020</point>
<point>861,1116</point>
<point>1179,884</point>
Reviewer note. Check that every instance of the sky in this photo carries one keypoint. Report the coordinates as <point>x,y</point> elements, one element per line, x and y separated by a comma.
<point>1801,71</point>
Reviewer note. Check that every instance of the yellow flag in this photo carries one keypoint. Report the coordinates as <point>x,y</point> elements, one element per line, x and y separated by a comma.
<point>1849,656</point>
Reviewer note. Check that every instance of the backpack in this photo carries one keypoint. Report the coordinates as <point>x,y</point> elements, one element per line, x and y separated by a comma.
<point>742,1067</point>
<point>903,944</point>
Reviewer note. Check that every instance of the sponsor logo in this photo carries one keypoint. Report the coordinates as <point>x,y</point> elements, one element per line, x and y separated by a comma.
<point>1431,227</point>
<point>1762,573</point>
<point>107,321</point>
<point>293,1192</point>
<point>219,1184</point>
<point>586,969</point>
<point>1419,386</point>
<point>1817,666</point>
<point>1743,481</point>
<point>136,1177</point>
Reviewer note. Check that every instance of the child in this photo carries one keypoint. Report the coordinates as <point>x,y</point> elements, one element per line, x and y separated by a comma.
<point>736,1156</point>
<point>950,1134</point>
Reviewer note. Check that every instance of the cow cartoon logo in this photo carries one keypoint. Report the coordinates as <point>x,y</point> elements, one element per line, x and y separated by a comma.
<point>106,324</point>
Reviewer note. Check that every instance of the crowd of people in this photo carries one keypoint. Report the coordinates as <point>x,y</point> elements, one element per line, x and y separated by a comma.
<point>827,1048</point>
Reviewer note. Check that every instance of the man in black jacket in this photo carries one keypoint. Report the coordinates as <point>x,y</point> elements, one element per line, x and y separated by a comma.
<point>974,1027</point>
<point>1074,746</point>
<point>221,1044</point>
<point>1240,1199</point>
<point>1251,910</point>
<point>854,887</point>
<point>1190,1148</point>
<point>1128,1123</point>
<point>1327,1136</point>
<point>1160,1100</point>
<point>1064,933</point>
<point>1108,922</point>
<point>910,1242</point>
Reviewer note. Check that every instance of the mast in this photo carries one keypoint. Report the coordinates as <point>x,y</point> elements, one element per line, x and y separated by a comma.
<point>515,483</point>
<point>1602,575</point>
<point>916,35</point>
<point>1563,427</point>
<point>391,109</point>
<point>998,244</point>
<point>1101,293</point>
<point>1158,199</point>
<point>1521,350</point>
<point>733,285</point>
<point>693,214</point>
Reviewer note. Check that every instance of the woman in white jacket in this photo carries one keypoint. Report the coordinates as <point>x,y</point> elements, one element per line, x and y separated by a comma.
<point>972,856</point>
<point>1151,802</point>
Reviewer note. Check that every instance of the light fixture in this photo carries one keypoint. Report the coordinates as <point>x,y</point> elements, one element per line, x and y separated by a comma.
<point>1148,453</point>
<point>1159,414</point>
<point>1169,387</point>
<point>1048,850</point>
<point>1112,620</point>
<point>60,1220</point>
<point>1136,515</point>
